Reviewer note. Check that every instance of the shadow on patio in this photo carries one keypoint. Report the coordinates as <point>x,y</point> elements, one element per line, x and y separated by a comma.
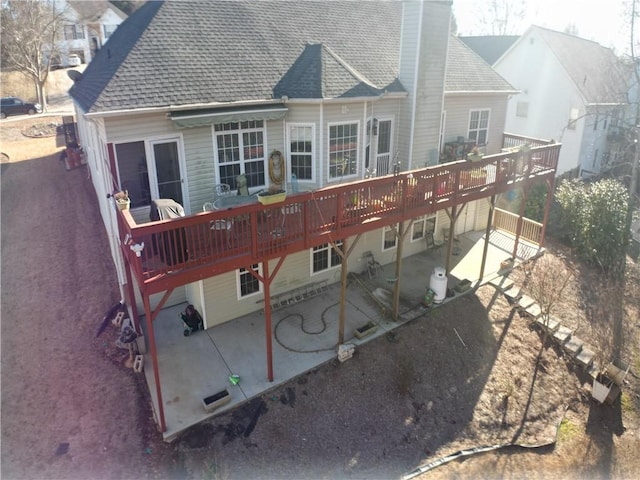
<point>305,333</point>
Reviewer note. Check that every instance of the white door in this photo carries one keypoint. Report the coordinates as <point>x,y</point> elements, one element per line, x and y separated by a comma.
<point>467,219</point>
<point>168,170</point>
<point>383,153</point>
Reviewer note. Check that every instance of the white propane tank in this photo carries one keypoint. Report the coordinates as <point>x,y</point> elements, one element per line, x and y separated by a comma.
<point>438,284</point>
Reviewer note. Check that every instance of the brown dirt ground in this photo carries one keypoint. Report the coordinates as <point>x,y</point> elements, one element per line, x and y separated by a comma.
<point>472,373</point>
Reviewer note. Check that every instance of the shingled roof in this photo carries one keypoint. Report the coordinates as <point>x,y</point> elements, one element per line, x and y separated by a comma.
<point>595,70</point>
<point>203,52</point>
<point>467,72</point>
<point>490,47</point>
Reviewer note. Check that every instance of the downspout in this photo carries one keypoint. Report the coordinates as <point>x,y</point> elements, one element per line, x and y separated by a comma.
<point>415,89</point>
<point>321,182</point>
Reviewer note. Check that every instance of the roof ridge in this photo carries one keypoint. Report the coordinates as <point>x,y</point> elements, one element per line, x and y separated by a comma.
<point>357,75</point>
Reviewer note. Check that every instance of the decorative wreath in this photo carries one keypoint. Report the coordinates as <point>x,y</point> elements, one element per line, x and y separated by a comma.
<point>276,178</point>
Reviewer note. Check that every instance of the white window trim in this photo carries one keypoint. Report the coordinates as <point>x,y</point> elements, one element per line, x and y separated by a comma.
<point>480,110</point>
<point>239,289</point>
<point>313,152</point>
<point>358,161</point>
<point>423,219</point>
<point>239,132</point>
<point>151,167</point>
<point>384,231</point>
<point>330,267</point>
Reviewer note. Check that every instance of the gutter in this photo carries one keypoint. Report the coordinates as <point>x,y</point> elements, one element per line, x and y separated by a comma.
<point>482,92</point>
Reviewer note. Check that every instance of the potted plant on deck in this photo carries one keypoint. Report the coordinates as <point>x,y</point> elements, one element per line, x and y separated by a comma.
<point>271,196</point>
<point>123,202</point>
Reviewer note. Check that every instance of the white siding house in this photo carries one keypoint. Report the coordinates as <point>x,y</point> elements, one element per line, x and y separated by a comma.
<point>372,126</point>
<point>569,90</point>
<point>87,27</point>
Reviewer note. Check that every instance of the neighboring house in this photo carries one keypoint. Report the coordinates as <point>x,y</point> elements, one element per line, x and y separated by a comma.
<point>187,96</point>
<point>572,90</point>
<point>88,26</point>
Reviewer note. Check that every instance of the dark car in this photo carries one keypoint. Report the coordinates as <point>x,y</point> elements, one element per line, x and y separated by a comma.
<point>15,106</point>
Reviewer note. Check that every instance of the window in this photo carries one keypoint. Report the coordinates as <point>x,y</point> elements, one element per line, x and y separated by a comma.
<point>421,226</point>
<point>389,239</point>
<point>108,30</point>
<point>595,123</point>
<point>343,150</point>
<point>301,149</point>
<point>522,109</point>
<point>325,257</point>
<point>132,172</point>
<point>240,150</point>
<point>248,284</point>
<point>479,126</point>
<point>573,118</point>
<point>73,32</point>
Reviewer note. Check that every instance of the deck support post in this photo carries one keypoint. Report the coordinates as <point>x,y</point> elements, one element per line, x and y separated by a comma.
<point>154,360</point>
<point>344,269</point>
<point>402,233</point>
<point>550,182</point>
<point>487,234</point>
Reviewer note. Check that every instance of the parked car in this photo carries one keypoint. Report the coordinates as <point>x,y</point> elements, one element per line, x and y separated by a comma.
<point>16,106</point>
<point>74,60</point>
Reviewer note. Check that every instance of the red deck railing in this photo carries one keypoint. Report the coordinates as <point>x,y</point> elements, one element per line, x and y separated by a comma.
<point>183,250</point>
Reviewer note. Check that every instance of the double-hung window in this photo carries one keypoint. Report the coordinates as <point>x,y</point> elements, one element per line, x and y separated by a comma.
<point>389,238</point>
<point>240,150</point>
<point>325,257</point>
<point>73,32</point>
<point>247,283</point>
<point>422,226</point>
<point>301,151</point>
<point>479,126</point>
<point>343,150</point>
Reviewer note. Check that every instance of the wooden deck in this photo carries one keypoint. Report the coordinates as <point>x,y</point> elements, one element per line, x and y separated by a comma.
<point>183,250</point>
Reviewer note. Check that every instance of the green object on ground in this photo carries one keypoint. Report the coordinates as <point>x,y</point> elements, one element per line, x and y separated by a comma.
<point>234,379</point>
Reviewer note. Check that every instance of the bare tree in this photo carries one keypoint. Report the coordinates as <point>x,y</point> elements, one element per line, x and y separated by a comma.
<point>30,29</point>
<point>547,280</point>
<point>502,17</point>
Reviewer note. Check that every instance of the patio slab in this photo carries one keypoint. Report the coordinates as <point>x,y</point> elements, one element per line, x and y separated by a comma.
<point>304,335</point>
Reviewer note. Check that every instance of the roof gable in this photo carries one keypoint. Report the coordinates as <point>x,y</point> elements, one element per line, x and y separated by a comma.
<point>596,72</point>
<point>93,10</point>
<point>320,73</point>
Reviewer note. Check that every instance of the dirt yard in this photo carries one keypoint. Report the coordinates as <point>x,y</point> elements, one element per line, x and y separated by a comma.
<point>472,373</point>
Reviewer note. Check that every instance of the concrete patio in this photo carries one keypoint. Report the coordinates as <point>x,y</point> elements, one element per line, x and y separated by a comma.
<point>304,334</point>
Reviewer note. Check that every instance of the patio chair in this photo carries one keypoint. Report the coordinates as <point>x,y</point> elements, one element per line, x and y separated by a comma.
<point>221,190</point>
<point>373,266</point>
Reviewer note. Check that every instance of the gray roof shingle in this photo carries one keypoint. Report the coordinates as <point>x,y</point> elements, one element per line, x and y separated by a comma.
<point>467,72</point>
<point>595,70</point>
<point>199,52</point>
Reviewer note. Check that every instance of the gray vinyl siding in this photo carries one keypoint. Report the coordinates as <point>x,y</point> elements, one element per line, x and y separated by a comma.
<point>177,297</point>
<point>201,174</point>
<point>220,296</point>
<point>457,121</point>
<point>420,119</point>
